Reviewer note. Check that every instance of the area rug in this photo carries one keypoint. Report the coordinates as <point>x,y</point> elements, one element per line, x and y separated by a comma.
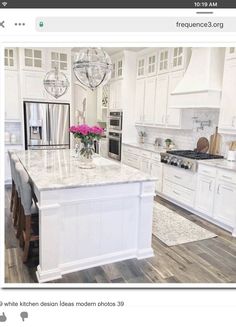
<point>173,229</point>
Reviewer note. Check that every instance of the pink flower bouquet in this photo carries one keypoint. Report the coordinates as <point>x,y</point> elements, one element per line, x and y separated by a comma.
<point>87,135</point>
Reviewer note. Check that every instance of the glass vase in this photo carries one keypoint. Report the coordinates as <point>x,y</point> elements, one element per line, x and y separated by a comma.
<point>86,155</point>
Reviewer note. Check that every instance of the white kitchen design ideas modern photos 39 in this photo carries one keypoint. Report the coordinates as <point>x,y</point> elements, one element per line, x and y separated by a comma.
<point>120,166</point>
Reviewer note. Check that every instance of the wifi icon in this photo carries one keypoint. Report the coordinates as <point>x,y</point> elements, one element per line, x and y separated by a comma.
<point>4,4</point>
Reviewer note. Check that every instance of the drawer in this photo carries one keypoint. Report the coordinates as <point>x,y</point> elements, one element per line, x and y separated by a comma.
<point>180,177</point>
<point>145,154</point>
<point>227,176</point>
<point>206,170</point>
<point>156,156</point>
<point>130,149</point>
<point>179,193</point>
<point>131,160</point>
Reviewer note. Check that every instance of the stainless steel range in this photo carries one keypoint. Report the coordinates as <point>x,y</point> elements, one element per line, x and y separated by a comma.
<point>186,159</point>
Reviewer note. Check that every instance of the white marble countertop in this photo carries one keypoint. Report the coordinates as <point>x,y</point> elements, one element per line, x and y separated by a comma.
<point>58,169</point>
<point>146,146</point>
<point>219,163</point>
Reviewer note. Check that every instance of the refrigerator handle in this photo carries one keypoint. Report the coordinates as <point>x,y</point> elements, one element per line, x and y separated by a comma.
<point>48,126</point>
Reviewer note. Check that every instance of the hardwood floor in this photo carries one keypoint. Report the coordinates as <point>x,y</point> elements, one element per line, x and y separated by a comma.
<point>208,261</point>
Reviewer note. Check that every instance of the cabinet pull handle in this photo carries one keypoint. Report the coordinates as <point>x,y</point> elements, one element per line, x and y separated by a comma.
<point>177,177</point>
<point>176,193</point>
<point>227,177</point>
<point>205,171</point>
<point>218,189</point>
<point>210,186</point>
<point>227,188</point>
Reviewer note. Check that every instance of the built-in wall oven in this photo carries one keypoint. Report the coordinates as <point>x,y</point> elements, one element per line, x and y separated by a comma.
<point>115,120</point>
<point>114,145</point>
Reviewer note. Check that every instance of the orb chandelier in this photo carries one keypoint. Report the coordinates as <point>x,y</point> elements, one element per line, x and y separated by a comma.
<point>92,67</point>
<point>56,83</point>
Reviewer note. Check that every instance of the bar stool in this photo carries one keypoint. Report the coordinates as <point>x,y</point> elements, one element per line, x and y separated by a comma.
<point>28,222</point>
<point>16,198</point>
<point>13,187</point>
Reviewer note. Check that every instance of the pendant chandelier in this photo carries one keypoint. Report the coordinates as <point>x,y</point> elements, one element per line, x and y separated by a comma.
<point>92,67</point>
<point>56,83</point>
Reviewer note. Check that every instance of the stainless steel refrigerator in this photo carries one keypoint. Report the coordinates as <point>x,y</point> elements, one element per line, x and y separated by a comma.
<point>46,125</point>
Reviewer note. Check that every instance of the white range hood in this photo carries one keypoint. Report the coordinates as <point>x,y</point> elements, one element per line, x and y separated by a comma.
<point>202,82</point>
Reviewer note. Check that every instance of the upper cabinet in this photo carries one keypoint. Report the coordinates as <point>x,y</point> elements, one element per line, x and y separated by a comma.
<point>102,103</point>
<point>10,59</point>
<point>117,68</point>
<point>12,103</point>
<point>32,59</point>
<point>158,73</point>
<point>227,120</point>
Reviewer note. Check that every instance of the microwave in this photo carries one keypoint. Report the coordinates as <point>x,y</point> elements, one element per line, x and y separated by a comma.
<point>115,120</point>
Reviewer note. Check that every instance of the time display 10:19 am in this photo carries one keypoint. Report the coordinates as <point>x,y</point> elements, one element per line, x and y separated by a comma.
<point>205,4</point>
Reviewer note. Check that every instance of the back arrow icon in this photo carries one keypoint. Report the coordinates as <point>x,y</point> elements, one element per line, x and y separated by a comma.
<point>2,24</point>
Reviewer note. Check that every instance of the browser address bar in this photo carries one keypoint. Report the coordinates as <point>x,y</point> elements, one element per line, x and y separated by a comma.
<point>135,24</point>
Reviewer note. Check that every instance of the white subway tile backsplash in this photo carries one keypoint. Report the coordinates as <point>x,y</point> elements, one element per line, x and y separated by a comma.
<point>187,139</point>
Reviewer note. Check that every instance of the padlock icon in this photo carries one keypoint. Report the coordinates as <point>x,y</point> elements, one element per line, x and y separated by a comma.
<point>41,24</point>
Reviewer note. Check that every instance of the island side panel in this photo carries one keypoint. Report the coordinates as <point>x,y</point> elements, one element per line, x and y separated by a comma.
<point>91,226</point>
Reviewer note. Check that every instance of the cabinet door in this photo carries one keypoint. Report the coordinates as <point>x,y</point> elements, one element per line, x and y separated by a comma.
<point>33,86</point>
<point>161,99</point>
<point>225,204</point>
<point>173,116</point>
<point>227,121</point>
<point>177,60</point>
<point>145,165</point>
<point>152,64</point>
<point>205,194</point>
<point>139,99</point>
<point>12,101</point>
<point>120,68</point>
<point>33,59</point>
<point>141,62</point>
<point>156,171</point>
<point>163,61</point>
<point>10,58</point>
<point>149,102</point>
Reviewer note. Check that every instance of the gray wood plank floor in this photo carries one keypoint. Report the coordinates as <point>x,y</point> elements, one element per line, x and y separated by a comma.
<point>208,261</point>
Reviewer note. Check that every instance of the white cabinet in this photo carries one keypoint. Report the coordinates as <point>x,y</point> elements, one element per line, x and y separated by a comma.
<point>10,58</point>
<point>117,67</point>
<point>141,67</point>
<point>152,64</point>
<point>103,148</point>
<point>205,194</point>
<point>227,120</point>
<point>145,165</point>
<point>163,61</point>
<point>161,99</point>
<point>173,116</point>
<point>225,204</point>
<point>33,85</point>
<point>12,101</point>
<point>32,59</point>
<point>115,95</point>
<point>139,100</point>
<point>156,171</point>
<point>149,102</point>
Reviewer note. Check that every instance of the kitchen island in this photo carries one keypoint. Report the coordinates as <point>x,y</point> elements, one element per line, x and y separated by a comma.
<point>88,217</point>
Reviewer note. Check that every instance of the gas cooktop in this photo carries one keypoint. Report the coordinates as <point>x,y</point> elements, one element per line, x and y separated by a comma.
<point>194,155</point>
<point>186,159</point>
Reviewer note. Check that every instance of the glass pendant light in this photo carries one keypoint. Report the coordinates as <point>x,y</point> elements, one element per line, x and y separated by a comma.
<point>92,67</point>
<point>56,83</point>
